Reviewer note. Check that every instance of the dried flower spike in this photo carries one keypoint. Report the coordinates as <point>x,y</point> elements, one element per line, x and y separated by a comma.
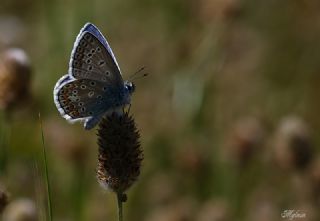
<point>21,210</point>
<point>120,154</point>
<point>15,72</point>
<point>293,145</point>
<point>4,200</point>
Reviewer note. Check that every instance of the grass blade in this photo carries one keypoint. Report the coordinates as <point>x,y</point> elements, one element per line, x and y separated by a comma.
<point>46,170</point>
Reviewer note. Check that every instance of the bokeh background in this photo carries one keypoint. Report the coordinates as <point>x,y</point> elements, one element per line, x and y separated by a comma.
<point>229,114</point>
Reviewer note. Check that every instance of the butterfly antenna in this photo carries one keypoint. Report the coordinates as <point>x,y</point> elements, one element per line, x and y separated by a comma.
<point>134,75</point>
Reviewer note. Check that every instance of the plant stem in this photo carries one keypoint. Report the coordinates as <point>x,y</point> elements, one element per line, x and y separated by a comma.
<point>119,198</point>
<point>46,170</point>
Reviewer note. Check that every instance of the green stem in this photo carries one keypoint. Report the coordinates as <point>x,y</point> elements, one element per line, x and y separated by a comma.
<point>46,170</point>
<point>119,198</point>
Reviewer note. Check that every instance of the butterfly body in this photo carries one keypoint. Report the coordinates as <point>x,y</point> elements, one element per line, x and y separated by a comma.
<point>93,85</point>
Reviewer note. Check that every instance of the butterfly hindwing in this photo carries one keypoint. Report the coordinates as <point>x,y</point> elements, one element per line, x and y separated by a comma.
<point>82,98</point>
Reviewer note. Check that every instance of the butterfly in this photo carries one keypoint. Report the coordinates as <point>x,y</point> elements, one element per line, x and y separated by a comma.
<point>93,86</point>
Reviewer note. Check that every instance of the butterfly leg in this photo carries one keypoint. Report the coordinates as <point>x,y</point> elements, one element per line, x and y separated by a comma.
<point>91,122</point>
<point>129,108</point>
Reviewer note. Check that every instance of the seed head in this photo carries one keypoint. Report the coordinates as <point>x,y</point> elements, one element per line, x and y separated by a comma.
<point>15,74</point>
<point>120,153</point>
<point>4,200</point>
<point>293,145</point>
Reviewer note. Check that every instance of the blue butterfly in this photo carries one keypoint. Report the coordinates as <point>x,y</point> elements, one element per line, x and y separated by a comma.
<point>93,85</point>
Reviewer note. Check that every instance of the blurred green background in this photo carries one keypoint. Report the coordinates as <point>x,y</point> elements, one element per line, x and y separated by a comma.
<point>228,116</point>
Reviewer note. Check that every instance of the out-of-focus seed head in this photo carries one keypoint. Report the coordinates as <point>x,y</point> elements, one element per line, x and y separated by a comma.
<point>4,199</point>
<point>21,210</point>
<point>15,73</point>
<point>214,210</point>
<point>314,174</point>
<point>120,152</point>
<point>293,145</point>
<point>245,138</point>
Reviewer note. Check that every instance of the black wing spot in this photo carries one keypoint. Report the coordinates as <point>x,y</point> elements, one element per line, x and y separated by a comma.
<point>92,83</point>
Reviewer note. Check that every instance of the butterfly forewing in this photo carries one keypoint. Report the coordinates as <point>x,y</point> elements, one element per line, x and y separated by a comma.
<point>91,60</point>
<point>95,31</point>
